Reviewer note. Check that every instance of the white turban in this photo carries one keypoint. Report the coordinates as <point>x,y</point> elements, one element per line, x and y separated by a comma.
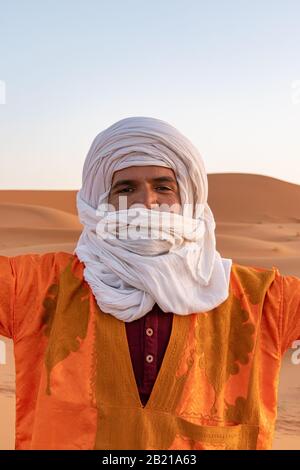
<point>189,277</point>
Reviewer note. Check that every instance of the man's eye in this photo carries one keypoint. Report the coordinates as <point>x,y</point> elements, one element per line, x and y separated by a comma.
<point>125,190</point>
<point>164,188</point>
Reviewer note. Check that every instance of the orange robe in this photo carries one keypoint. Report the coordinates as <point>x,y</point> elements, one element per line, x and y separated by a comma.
<point>75,385</point>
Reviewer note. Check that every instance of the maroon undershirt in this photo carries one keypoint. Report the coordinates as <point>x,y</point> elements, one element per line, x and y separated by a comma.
<point>148,338</point>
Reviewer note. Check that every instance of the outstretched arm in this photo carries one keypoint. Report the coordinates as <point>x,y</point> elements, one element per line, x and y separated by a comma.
<point>24,280</point>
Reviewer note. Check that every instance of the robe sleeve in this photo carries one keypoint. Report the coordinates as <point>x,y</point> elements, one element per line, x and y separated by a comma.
<point>290,311</point>
<point>7,297</point>
<point>24,280</point>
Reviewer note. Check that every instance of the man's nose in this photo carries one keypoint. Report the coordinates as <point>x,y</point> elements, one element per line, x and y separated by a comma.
<point>147,198</point>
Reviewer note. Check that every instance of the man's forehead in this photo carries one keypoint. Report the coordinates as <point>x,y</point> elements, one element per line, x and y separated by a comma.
<point>143,172</point>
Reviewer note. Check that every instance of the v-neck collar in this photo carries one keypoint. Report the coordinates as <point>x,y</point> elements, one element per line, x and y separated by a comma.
<point>116,384</point>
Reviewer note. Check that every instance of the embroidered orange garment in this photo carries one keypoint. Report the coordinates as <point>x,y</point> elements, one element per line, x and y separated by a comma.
<point>75,385</point>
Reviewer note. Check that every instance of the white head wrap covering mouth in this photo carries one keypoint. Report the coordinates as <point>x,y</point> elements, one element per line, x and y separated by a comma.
<point>189,276</point>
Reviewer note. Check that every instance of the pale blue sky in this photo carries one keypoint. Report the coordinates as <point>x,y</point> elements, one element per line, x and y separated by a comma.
<point>222,72</point>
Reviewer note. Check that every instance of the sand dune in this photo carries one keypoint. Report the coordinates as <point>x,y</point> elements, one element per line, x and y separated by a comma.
<point>34,228</point>
<point>263,245</point>
<point>67,247</point>
<point>260,198</point>
<point>19,236</point>
<point>62,200</point>
<point>248,198</point>
<point>258,224</point>
<point>36,216</point>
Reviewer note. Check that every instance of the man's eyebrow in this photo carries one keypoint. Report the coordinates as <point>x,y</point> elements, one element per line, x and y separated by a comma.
<point>123,182</point>
<point>160,179</point>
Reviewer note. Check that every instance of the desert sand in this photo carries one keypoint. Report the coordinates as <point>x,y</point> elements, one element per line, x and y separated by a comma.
<point>257,223</point>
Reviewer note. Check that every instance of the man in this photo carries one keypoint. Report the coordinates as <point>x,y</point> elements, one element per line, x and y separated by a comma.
<point>144,337</point>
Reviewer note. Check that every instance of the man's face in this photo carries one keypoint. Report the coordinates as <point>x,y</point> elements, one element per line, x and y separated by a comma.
<point>147,186</point>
